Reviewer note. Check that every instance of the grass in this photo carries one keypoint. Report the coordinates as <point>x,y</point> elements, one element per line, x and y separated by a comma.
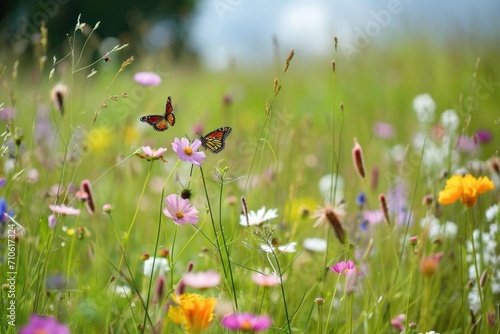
<point>274,159</point>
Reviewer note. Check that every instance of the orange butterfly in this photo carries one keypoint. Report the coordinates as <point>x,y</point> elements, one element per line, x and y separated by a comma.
<point>161,122</point>
<point>215,141</point>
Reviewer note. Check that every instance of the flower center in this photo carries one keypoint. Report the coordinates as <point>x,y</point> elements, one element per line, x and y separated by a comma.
<point>246,325</point>
<point>179,215</point>
<point>188,150</point>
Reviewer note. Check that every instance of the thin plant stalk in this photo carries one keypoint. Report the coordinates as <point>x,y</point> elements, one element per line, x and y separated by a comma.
<point>410,286</point>
<point>217,240</point>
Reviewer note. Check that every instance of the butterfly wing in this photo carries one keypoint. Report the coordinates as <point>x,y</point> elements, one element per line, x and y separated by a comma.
<point>170,119</point>
<point>169,108</point>
<point>158,122</point>
<point>215,141</point>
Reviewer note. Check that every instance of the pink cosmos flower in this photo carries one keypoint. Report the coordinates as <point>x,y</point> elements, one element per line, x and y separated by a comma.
<point>188,151</point>
<point>265,280</point>
<point>148,153</point>
<point>43,325</point>
<point>64,210</point>
<point>147,78</point>
<point>246,322</point>
<point>180,210</point>
<point>398,322</point>
<point>344,268</point>
<point>201,280</point>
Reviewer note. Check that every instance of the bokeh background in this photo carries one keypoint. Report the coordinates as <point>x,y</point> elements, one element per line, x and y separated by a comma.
<point>220,32</point>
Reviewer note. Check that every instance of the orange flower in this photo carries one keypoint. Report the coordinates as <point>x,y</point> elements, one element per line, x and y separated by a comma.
<point>465,188</point>
<point>193,311</point>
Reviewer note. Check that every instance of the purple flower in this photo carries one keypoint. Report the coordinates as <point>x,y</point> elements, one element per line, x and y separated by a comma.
<point>483,136</point>
<point>188,151</point>
<point>383,130</point>
<point>246,322</point>
<point>7,113</point>
<point>44,325</point>
<point>3,181</point>
<point>201,280</point>
<point>180,210</point>
<point>147,78</point>
<point>52,221</point>
<point>64,210</point>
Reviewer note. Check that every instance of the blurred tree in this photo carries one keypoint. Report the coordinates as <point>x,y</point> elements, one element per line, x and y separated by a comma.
<point>127,20</point>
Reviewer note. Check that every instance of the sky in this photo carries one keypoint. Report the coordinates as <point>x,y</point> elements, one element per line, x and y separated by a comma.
<point>225,31</point>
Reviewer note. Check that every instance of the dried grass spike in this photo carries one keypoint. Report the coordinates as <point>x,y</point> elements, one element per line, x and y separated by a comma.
<point>385,208</point>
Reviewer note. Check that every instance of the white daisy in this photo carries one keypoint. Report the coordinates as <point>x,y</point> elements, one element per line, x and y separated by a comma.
<point>160,266</point>
<point>259,217</point>
<point>287,248</point>
<point>315,245</point>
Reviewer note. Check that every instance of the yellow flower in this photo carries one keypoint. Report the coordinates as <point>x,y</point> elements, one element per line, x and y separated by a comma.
<point>193,311</point>
<point>465,188</point>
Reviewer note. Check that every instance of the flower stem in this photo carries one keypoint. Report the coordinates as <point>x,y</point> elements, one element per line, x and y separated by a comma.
<point>409,287</point>
<point>217,240</point>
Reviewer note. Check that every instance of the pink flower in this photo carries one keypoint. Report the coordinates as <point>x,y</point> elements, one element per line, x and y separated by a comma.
<point>43,325</point>
<point>180,210</point>
<point>148,153</point>
<point>398,322</point>
<point>265,280</point>
<point>188,151</point>
<point>201,280</point>
<point>246,322</point>
<point>467,144</point>
<point>383,130</point>
<point>147,78</point>
<point>7,113</point>
<point>64,210</point>
<point>344,268</point>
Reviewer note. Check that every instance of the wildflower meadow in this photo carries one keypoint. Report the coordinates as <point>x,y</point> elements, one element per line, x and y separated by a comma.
<point>341,195</point>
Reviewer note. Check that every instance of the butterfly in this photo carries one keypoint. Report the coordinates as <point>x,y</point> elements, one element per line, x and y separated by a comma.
<point>161,122</point>
<point>215,140</point>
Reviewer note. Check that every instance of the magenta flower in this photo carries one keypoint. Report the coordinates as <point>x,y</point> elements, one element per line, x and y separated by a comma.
<point>64,210</point>
<point>147,78</point>
<point>344,268</point>
<point>180,210</point>
<point>483,136</point>
<point>201,280</point>
<point>148,153</point>
<point>188,151</point>
<point>246,322</point>
<point>43,325</point>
